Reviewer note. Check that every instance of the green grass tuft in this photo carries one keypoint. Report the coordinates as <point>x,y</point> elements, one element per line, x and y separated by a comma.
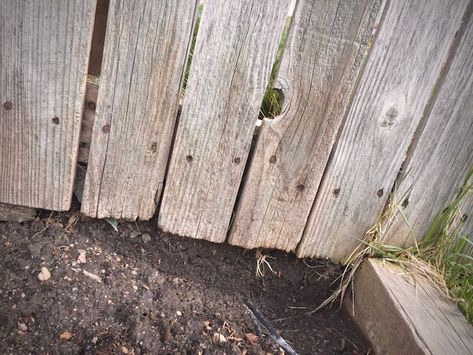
<point>451,252</point>
<point>192,48</point>
<point>444,257</point>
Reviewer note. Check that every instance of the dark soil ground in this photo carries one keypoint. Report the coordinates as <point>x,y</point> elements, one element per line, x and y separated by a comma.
<point>153,293</point>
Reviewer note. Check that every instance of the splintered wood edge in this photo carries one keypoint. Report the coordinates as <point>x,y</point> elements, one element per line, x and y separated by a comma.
<point>399,316</point>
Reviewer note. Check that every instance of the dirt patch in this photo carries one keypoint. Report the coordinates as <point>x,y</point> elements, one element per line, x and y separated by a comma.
<point>145,292</point>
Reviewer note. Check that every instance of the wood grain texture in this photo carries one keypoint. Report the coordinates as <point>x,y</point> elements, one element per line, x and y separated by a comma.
<point>404,64</point>
<point>327,46</point>
<point>235,50</point>
<point>145,52</point>
<point>44,49</point>
<point>442,154</point>
<point>88,118</point>
<point>400,317</point>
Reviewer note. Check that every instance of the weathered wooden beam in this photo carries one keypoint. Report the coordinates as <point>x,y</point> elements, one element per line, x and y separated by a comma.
<point>412,47</point>
<point>327,46</point>
<point>44,51</point>
<point>442,154</point>
<point>234,53</point>
<point>400,316</point>
<point>143,62</point>
<point>14,213</point>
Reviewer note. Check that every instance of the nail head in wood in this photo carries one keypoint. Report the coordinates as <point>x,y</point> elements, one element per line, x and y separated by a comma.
<point>7,105</point>
<point>106,128</point>
<point>380,193</point>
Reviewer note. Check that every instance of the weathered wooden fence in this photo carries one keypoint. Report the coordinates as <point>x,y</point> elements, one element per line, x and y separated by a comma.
<point>377,102</point>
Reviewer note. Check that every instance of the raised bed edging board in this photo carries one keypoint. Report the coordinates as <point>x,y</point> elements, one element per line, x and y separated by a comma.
<point>400,317</point>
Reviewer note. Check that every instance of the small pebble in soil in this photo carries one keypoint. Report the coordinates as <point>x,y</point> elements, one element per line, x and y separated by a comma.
<point>44,274</point>
<point>178,313</point>
<point>22,327</point>
<point>81,258</point>
<point>146,238</point>
<point>66,335</point>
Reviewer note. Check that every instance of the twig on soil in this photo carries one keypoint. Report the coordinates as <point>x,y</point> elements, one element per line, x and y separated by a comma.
<point>42,230</point>
<point>260,320</point>
<point>92,276</point>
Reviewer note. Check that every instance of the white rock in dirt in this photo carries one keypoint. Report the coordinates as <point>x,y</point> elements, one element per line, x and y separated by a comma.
<point>218,338</point>
<point>22,327</point>
<point>44,274</point>
<point>146,238</point>
<point>178,313</point>
<point>81,258</point>
<point>134,234</point>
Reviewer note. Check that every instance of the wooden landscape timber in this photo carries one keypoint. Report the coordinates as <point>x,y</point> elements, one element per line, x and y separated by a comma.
<point>327,45</point>
<point>235,49</point>
<point>412,46</point>
<point>145,52</point>
<point>403,315</point>
<point>43,74</point>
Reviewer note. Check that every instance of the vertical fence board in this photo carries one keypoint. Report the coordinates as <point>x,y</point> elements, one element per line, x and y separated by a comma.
<point>144,57</point>
<point>44,50</point>
<point>235,49</point>
<point>326,48</point>
<point>443,153</point>
<point>402,69</point>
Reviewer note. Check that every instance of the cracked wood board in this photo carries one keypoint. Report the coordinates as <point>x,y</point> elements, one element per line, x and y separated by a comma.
<point>442,154</point>
<point>235,49</point>
<point>44,51</point>
<point>403,67</point>
<point>400,316</point>
<point>146,45</point>
<point>327,46</point>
